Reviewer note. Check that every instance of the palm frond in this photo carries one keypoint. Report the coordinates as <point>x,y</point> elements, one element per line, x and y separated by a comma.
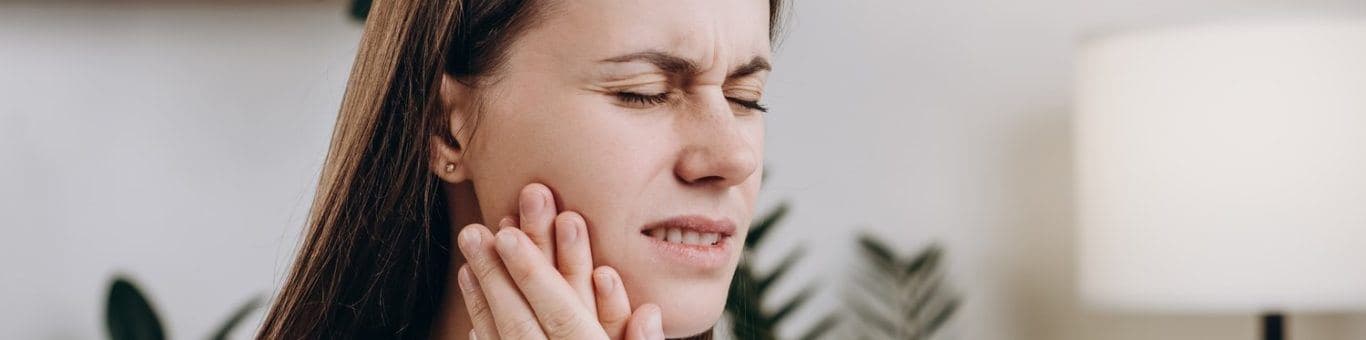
<point>945,313</point>
<point>792,304</point>
<point>360,9</point>
<point>749,288</point>
<point>129,315</point>
<point>876,324</point>
<point>781,269</point>
<point>900,298</point>
<point>820,328</point>
<point>236,318</point>
<point>759,229</point>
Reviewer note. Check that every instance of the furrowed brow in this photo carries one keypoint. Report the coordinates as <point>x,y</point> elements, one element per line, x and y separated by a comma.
<point>682,66</point>
<point>754,66</point>
<point>667,62</point>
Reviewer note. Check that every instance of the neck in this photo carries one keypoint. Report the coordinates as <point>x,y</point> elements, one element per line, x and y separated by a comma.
<point>453,321</point>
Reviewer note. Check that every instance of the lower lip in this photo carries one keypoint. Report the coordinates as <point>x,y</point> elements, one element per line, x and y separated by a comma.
<point>695,256</point>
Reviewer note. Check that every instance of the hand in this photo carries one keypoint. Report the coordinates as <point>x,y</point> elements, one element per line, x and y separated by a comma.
<point>538,282</point>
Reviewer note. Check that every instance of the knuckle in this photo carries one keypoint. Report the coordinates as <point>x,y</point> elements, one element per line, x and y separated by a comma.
<point>613,316</point>
<point>479,313</point>
<point>576,267</point>
<point>562,325</point>
<point>524,329</point>
<point>524,272</point>
<point>521,274</point>
<point>574,273</point>
<point>485,268</point>
<point>564,219</point>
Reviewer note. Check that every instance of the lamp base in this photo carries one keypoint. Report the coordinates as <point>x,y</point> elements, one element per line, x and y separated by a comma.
<point>1273,326</point>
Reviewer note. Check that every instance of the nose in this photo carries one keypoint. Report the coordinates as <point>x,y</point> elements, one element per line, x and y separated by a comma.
<point>715,151</point>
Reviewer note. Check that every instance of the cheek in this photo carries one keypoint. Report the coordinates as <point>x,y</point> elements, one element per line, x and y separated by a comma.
<point>605,170</point>
<point>596,159</point>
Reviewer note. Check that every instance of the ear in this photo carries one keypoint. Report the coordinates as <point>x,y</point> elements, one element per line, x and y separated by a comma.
<point>447,160</point>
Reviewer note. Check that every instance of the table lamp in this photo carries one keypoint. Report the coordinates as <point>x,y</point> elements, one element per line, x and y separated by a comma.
<point>1221,168</point>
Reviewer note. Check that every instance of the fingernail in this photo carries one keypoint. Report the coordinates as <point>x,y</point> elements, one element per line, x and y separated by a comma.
<point>531,204</point>
<point>467,282</point>
<point>506,222</point>
<point>507,242</point>
<point>469,238</point>
<point>654,324</point>
<point>567,231</point>
<point>604,282</point>
<point>472,337</point>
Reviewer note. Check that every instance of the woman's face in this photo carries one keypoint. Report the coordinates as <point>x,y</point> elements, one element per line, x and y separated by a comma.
<point>578,107</point>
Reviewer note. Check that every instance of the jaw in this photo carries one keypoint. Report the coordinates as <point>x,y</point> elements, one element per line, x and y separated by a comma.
<point>690,303</point>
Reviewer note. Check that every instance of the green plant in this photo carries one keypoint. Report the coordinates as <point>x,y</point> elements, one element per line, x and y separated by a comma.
<point>749,288</point>
<point>901,298</point>
<point>360,9</point>
<point>130,316</point>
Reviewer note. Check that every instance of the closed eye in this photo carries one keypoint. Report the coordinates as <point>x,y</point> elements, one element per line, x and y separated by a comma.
<point>643,100</point>
<point>649,100</point>
<point>749,104</point>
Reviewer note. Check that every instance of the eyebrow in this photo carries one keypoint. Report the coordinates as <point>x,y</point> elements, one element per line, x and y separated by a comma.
<point>678,65</point>
<point>754,66</point>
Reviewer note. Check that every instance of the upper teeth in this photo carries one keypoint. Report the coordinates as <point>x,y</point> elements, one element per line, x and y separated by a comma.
<point>681,236</point>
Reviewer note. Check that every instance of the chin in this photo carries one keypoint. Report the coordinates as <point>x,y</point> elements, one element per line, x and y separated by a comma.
<point>689,306</point>
<point>691,309</point>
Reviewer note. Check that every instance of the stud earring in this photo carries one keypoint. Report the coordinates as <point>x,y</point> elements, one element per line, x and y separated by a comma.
<point>450,167</point>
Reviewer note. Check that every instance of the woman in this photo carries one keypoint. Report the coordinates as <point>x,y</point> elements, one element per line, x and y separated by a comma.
<point>509,130</point>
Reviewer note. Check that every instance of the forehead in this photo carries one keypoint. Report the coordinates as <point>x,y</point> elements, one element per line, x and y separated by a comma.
<point>705,31</point>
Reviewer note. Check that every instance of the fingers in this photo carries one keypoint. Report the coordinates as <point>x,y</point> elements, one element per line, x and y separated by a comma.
<point>536,205</point>
<point>574,256</point>
<point>557,307</point>
<point>614,308</point>
<point>476,305</point>
<point>512,315</point>
<point>646,324</point>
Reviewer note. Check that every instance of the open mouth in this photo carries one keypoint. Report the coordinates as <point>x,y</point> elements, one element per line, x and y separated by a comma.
<point>693,241</point>
<point>690,230</point>
<point>684,236</point>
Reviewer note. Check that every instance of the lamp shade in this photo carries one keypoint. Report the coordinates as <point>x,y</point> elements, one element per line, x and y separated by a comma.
<point>1222,167</point>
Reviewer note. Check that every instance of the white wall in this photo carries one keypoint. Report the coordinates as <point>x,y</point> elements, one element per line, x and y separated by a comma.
<point>179,143</point>
<point>949,120</point>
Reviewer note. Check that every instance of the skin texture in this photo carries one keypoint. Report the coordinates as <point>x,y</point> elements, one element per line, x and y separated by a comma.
<point>552,114</point>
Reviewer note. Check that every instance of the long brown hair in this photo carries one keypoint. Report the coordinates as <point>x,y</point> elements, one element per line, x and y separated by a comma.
<point>374,260</point>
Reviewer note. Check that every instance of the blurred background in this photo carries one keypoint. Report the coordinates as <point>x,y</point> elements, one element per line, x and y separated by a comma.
<point>179,142</point>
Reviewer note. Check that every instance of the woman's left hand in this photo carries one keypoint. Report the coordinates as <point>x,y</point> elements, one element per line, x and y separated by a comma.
<point>538,281</point>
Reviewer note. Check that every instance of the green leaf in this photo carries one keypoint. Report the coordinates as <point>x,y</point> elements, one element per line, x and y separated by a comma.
<point>820,328</point>
<point>767,282</point>
<point>941,318</point>
<point>877,320</point>
<point>743,305</point>
<point>879,254</point>
<point>236,318</point>
<point>900,298</point>
<point>792,304</point>
<point>761,227</point>
<point>749,288</point>
<point>925,261</point>
<point>918,305</point>
<point>360,9</point>
<point>128,314</point>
